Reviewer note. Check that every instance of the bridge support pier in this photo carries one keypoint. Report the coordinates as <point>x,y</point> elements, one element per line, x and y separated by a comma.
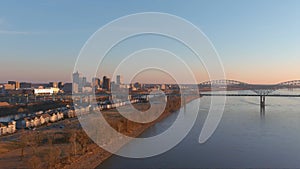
<point>184,103</point>
<point>262,101</point>
<point>262,105</point>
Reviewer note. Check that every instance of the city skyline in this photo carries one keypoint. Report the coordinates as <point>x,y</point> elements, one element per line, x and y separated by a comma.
<point>149,84</point>
<point>256,41</point>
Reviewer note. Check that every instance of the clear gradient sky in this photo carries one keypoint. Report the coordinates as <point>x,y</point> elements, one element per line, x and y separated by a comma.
<point>257,40</point>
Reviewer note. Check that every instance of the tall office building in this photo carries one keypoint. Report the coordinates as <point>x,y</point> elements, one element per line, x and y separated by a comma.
<point>83,81</point>
<point>96,82</point>
<point>79,81</point>
<point>119,80</point>
<point>106,83</point>
<point>76,77</point>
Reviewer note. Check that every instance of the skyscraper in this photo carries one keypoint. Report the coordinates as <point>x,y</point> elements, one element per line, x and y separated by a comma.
<point>119,80</point>
<point>76,77</point>
<point>83,81</point>
<point>96,82</point>
<point>79,80</point>
<point>106,83</point>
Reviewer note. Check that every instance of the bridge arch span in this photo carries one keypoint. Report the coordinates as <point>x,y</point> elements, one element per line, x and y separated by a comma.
<point>288,84</point>
<point>260,89</point>
<point>222,82</point>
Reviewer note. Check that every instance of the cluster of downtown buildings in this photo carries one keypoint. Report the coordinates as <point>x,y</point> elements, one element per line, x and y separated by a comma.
<point>80,85</point>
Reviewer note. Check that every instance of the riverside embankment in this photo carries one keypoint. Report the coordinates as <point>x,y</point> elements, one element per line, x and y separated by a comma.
<point>95,157</point>
<point>65,145</point>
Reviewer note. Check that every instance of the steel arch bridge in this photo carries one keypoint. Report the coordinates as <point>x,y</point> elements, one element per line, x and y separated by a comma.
<point>222,82</point>
<point>260,89</point>
<point>290,84</point>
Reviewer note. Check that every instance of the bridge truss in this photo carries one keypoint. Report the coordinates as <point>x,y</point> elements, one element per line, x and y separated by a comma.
<point>259,89</point>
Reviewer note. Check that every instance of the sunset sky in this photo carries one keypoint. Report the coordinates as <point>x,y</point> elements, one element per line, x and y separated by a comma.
<point>258,41</point>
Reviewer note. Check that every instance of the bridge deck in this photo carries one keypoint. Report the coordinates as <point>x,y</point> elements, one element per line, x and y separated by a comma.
<point>250,95</point>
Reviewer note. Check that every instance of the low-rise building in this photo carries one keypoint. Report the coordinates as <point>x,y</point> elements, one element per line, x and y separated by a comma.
<point>25,85</point>
<point>12,127</point>
<point>45,118</point>
<point>3,129</point>
<point>60,115</point>
<point>47,91</point>
<point>67,88</point>
<point>7,127</point>
<point>71,113</point>
<point>9,87</point>
<point>53,117</point>
<point>27,122</point>
<point>36,121</point>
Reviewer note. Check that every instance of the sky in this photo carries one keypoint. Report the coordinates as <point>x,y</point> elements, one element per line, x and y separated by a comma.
<point>257,40</point>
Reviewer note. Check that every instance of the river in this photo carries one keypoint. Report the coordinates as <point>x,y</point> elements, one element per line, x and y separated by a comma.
<point>245,138</point>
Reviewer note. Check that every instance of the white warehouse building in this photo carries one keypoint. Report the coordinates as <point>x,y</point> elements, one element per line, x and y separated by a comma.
<point>48,91</point>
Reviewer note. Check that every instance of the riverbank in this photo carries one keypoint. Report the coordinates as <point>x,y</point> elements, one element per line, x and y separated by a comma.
<point>65,145</point>
<point>94,158</point>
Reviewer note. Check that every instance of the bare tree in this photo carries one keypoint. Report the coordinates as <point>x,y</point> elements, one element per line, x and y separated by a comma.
<point>34,162</point>
<point>73,142</point>
<point>23,142</point>
<point>52,158</point>
<point>82,139</point>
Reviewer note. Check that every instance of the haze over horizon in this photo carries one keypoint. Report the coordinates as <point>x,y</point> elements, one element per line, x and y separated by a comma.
<point>257,41</point>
